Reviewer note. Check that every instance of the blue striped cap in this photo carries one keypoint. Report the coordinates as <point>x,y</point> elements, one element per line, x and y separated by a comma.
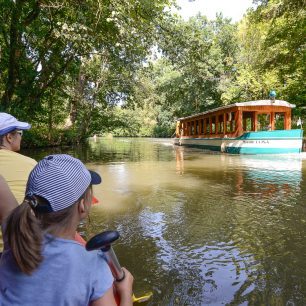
<point>60,179</point>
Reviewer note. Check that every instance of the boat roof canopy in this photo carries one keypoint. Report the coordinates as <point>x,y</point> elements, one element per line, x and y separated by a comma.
<point>249,103</point>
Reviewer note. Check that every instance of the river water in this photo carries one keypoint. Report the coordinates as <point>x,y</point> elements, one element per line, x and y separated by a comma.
<point>201,228</point>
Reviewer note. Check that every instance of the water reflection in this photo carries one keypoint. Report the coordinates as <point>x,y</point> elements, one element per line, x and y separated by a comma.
<point>200,228</point>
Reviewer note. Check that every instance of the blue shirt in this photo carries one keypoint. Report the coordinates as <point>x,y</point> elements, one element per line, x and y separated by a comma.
<point>68,276</point>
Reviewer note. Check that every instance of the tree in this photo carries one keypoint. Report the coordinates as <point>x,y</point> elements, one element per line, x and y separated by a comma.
<point>249,80</point>
<point>202,54</point>
<point>44,41</point>
<point>284,44</point>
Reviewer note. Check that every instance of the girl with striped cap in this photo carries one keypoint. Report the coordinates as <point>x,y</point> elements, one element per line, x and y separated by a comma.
<point>42,264</point>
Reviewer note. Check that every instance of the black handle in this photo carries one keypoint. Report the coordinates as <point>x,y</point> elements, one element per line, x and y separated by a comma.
<point>103,242</point>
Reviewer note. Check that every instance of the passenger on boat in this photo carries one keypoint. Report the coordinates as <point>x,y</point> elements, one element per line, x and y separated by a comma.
<point>42,264</point>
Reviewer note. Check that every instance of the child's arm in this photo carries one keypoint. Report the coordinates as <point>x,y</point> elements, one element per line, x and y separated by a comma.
<point>124,289</point>
<point>107,299</point>
<point>7,200</point>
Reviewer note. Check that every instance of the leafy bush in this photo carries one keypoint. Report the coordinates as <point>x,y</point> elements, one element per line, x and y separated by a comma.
<point>40,137</point>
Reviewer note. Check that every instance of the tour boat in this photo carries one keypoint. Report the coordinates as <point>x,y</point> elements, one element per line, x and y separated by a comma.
<point>254,127</point>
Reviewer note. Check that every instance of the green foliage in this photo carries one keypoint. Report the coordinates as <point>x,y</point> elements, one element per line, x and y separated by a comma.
<point>165,126</point>
<point>210,63</point>
<point>66,66</point>
<point>202,54</point>
<point>251,84</point>
<point>283,45</point>
<point>66,58</point>
<point>198,55</point>
<point>41,137</point>
<point>134,122</point>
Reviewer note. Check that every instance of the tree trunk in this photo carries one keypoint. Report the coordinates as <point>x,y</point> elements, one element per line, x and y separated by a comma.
<point>14,54</point>
<point>50,120</point>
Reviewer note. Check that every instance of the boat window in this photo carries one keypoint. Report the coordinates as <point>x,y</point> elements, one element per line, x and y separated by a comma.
<point>220,124</point>
<point>185,128</point>
<point>188,128</point>
<point>263,122</point>
<point>202,126</point>
<point>279,121</point>
<point>197,127</point>
<point>192,127</point>
<point>207,126</point>
<point>233,124</point>
<point>230,122</point>
<point>248,121</point>
<point>213,124</point>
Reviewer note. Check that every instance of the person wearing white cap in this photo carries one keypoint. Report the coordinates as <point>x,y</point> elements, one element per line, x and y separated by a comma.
<point>42,264</point>
<point>14,167</point>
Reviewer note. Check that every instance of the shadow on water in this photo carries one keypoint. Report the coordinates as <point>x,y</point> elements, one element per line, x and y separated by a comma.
<point>200,228</point>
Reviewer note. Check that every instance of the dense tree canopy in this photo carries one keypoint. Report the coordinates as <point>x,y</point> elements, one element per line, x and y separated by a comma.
<point>210,63</point>
<point>74,68</point>
<point>52,51</point>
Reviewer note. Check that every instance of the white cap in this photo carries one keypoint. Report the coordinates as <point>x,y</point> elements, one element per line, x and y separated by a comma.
<point>9,123</point>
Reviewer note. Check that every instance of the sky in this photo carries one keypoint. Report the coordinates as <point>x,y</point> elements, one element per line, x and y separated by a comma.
<point>233,9</point>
